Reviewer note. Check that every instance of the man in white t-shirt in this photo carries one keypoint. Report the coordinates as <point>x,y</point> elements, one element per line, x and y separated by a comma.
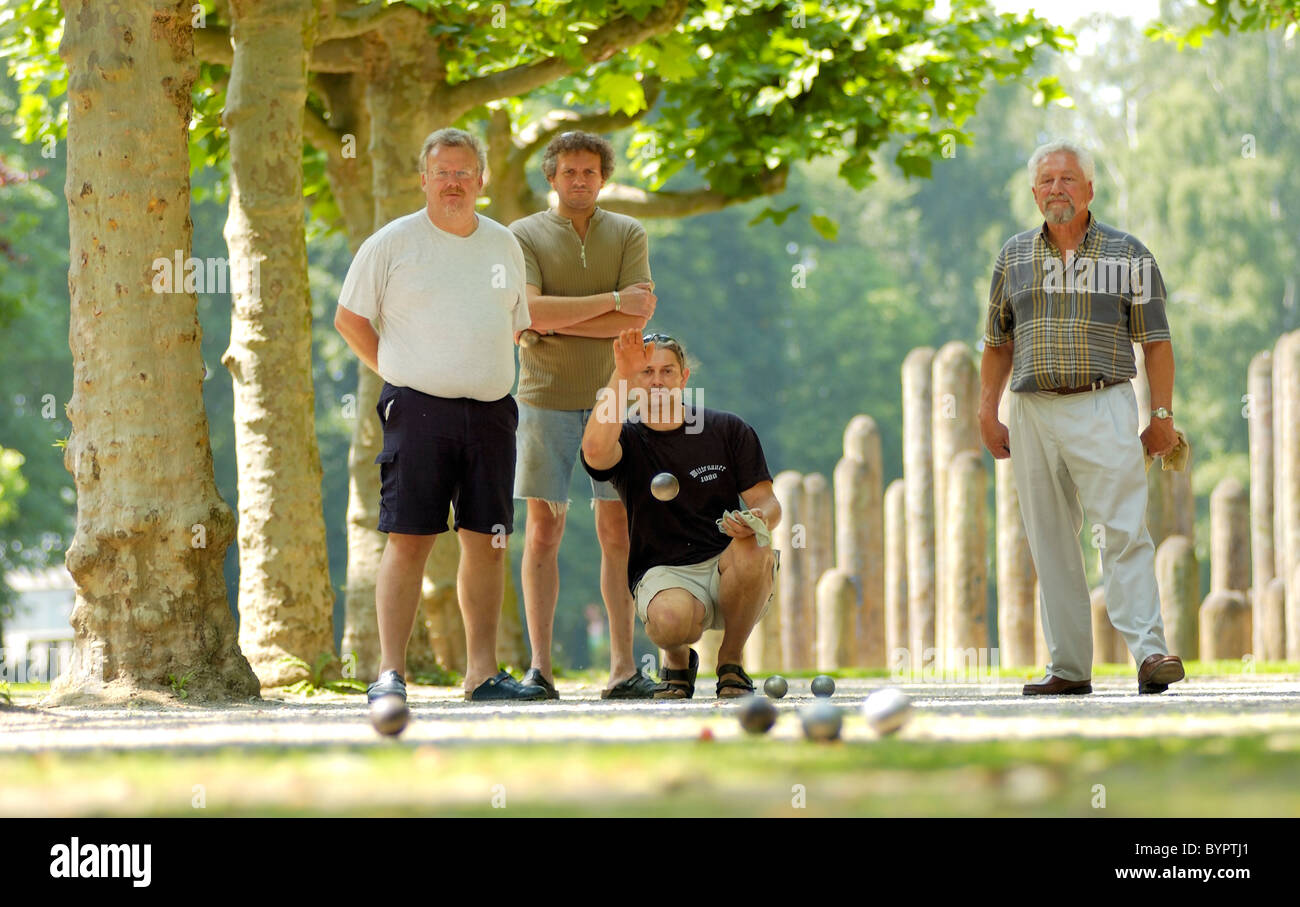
<point>431,303</point>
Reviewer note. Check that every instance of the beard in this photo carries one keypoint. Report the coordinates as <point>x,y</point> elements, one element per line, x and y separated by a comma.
<point>1056,214</point>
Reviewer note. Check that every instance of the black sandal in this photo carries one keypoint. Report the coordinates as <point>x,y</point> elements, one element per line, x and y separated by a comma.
<point>676,683</point>
<point>733,682</point>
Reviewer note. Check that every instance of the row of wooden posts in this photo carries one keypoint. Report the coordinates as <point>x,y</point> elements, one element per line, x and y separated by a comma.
<point>868,573</point>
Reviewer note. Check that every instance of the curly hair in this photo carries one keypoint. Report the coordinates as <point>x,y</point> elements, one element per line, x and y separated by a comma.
<point>567,142</point>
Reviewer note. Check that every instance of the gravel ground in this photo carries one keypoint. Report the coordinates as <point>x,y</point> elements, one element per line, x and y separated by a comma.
<point>1220,705</point>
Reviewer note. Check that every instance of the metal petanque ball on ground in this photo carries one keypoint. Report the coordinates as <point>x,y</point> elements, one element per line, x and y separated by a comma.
<point>757,715</point>
<point>821,721</point>
<point>887,710</point>
<point>664,486</point>
<point>823,686</point>
<point>389,714</point>
<point>776,686</point>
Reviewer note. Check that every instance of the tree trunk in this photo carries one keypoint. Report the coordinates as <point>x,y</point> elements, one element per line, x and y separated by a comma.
<point>151,529</point>
<point>286,603</point>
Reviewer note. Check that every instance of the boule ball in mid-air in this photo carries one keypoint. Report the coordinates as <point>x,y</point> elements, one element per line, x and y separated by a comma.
<point>887,710</point>
<point>823,686</point>
<point>821,721</point>
<point>664,486</point>
<point>776,686</point>
<point>389,714</point>
<point>757,715</point>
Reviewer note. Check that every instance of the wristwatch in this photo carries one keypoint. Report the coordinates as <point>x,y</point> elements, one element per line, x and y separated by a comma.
<point>618,303</point>
<point>1162,413</point>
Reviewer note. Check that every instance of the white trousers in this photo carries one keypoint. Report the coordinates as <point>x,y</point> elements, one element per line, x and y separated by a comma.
<point>1068,454</point>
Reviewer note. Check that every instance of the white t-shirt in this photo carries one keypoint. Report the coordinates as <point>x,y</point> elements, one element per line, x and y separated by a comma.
<point>445,306</point>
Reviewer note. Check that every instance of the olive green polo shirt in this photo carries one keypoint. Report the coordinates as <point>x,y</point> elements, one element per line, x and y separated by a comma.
<point>560,371</point>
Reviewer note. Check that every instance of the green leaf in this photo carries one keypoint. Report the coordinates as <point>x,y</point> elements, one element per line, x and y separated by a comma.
<point>621,92</point>
<point>825,227</point>
<point>775,215</point>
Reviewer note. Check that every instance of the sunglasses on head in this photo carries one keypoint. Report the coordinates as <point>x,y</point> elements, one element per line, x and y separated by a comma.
<point>657,338</point>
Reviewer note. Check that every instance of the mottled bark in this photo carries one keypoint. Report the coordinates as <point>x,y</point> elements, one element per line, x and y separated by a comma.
<point>918,473</point>
<point>286,602</point>
<point>859,535</point>
<point>151,530</point>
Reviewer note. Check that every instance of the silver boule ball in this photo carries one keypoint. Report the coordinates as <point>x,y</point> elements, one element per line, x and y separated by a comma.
<point>776,686</point>
<point>821,721</point>
<point>887,710</point>
<point>757,715</point>
<point>389,714</point>
<point>823,685</point>
<point>664,486</point>
<point>528,338</point>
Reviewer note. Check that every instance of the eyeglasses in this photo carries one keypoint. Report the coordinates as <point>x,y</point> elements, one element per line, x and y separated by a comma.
<point>459,176</point>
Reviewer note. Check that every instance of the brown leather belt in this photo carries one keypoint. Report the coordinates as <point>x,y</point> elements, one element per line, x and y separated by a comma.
<point>1095,386</point>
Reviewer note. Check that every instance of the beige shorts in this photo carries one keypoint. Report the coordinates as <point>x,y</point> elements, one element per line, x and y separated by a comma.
<point>702,580</point>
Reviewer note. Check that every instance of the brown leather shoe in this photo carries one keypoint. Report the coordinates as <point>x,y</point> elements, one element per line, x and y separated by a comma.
<point>1158,671</point>
<point>1052,685</point>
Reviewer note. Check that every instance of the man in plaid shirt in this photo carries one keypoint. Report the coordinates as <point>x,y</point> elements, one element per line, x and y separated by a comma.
<point>1067,302</point>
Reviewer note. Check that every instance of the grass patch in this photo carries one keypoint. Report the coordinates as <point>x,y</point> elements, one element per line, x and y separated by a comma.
<point>1252,775</point>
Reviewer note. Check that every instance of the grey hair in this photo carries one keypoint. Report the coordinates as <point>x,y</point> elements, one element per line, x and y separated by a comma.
<point>450,137</point>
<point>1081,154</point>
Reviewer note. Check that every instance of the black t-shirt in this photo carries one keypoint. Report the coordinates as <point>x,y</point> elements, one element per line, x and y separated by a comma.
<point>713,466</point>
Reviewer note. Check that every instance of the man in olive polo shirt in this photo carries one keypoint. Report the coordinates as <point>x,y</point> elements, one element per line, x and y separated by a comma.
<point>588,278</point>
<point>1067,302</point>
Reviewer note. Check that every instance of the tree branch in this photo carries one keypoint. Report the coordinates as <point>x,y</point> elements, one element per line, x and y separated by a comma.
<point>640,203</point>
<point>537,133</point>
<point>602,44</point>
<point>348,19</point>
<point>212,45</point>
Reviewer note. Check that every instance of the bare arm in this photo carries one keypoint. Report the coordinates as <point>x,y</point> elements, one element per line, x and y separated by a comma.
<point>552,313</point>
<point>995,368</point>
<point>761,499</point>
<point>609,325</point>
<point>359,335</point>
<point>1159,437</point>
<point>600,446</point>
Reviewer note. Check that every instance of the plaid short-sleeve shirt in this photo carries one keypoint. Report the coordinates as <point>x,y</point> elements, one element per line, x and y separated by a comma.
<point>1074,322</point>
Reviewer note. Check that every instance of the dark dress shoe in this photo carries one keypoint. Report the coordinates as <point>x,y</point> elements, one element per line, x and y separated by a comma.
<point>1057,686</point>
<point>504,688</point>
<point>1158,671</point>
<point>534,678</point>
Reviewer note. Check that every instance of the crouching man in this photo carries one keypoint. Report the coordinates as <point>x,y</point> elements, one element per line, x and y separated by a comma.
<point>697,561</point>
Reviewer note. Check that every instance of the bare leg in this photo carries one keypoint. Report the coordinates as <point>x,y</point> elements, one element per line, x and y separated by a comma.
<point>397,595</point>
<point>540,574</point>
<point>611,530</point>
<point>674,620</point>
<point>745,585</point>
<point>480,584</point>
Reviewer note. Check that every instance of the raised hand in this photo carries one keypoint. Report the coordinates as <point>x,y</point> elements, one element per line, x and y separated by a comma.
<point>631,356</point>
